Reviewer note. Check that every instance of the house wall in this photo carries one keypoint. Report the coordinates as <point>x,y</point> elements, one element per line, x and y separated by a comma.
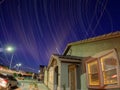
<point>59,75</point>
<point>90,49</point>
<point>51,78</point>
<point>65,76</point>
<point>46,77</point>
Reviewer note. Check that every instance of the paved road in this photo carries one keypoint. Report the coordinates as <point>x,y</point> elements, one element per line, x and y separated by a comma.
<point>30,85</point>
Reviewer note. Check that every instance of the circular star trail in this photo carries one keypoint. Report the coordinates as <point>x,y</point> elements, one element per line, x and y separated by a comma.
<point>39,28</point>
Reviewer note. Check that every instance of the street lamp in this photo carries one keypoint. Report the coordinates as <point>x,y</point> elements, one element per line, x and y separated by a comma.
<point>19,64</point>
<point>38,71</point>
<point>10,49</point>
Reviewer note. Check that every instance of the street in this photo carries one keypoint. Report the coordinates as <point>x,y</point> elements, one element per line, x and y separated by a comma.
<point>31,85</point>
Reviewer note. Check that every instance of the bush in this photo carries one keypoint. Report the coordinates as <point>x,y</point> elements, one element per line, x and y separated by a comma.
<point>14,74</point>
<point>19,75</point>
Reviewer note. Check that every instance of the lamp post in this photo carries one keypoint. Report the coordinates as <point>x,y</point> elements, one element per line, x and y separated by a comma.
<point>10,49</point>
<point>11,60</point>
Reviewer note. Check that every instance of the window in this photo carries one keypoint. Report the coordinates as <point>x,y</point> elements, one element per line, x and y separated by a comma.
<point>93,73</point>
<point>102,70</point>
<point>109,69</point>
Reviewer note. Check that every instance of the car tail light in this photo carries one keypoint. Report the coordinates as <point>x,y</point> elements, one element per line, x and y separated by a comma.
<point>5,80</point>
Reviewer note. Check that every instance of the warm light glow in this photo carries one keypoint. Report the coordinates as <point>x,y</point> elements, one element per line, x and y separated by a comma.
<point>109,64</point>
<point>114,76</point>
<point>93,73</point>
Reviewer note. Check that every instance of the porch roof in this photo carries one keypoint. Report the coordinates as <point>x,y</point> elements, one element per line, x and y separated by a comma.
<point>70,59</point>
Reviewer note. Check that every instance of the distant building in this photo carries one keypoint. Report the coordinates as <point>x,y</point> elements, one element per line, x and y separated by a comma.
<point>46,76</point>
<point>41,73</point>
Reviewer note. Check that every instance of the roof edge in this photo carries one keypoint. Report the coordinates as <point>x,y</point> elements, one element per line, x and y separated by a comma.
<point>93,39</point>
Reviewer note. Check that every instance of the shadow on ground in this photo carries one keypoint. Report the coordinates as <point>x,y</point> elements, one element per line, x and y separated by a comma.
<point>13,88</point>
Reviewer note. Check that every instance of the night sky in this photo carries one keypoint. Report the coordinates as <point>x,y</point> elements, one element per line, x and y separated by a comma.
<point>39,28</point>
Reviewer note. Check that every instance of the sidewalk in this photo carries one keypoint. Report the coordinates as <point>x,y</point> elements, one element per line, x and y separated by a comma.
<point>42,87</point>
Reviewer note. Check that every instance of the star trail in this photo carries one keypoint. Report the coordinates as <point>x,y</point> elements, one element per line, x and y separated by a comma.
<point>39,28</point>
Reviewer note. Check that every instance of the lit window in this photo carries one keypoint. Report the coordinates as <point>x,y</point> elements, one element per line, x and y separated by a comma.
<point>109,69</point>
<point>102,72</point>
<point>93,73</point>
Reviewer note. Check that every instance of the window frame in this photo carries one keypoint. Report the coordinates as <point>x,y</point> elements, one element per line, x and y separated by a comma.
<point>89,61</point>
<point>100,74</point>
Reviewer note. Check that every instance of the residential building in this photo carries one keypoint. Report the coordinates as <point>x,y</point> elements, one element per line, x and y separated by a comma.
<point>61,71</point>
<point>41,73</point>
<point>89,64</point>
<point>101,58</point>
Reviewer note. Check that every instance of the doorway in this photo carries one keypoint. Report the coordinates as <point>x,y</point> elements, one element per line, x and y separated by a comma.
<point>56,77</point>
<point>72,77</point>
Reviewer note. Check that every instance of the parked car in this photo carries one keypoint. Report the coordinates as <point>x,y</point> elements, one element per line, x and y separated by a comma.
<point>20,78</point>
<point>7,81</point>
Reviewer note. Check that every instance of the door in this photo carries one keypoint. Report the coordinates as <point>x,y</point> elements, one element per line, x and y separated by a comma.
<point>56,77</point>
<point>72,77</point>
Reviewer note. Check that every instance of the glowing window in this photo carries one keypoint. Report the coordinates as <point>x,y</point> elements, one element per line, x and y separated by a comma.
<point>109,69</point>
<point>103,71</point>
<point>93,73</point>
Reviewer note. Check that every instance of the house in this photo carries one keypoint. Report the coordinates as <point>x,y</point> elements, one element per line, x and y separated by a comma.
<point>101,58</point>
<point>63,72</point>
<point>89,64</point>
<point>46,76</point>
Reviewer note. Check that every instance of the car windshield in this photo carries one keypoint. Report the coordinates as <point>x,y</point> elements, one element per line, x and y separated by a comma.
<point>3,76</point>
<point>7,76</point>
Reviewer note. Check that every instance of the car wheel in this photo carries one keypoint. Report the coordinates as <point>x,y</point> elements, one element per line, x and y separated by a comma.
<point>0,88</point>
<point>9,87</point>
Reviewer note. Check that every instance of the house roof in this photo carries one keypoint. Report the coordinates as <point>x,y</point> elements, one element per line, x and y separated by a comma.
<point>98,38</point>
<point>64,58</point>
<point>68,57</point>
